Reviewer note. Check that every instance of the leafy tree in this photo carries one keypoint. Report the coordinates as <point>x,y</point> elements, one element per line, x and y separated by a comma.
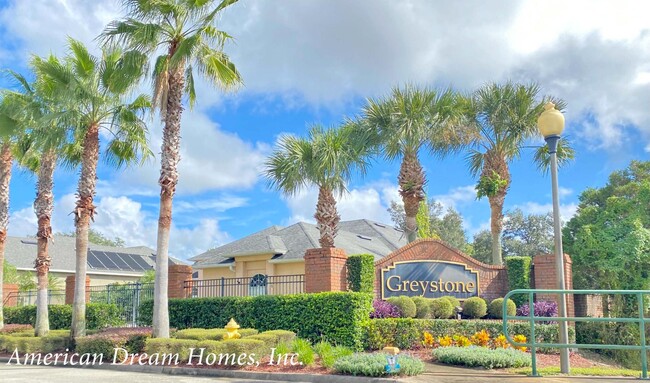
<point>523,235</point>
<point>502,118</point>
<point>409,120</point>
<point>94,91</point>
<point>447,226</point>
<point>326,159</point>
<point>149,276</point>
<point>609,237</point>
<point>424,223</point>
<point>98,238</point>
<point>10,273</point>
<point>188,35</point>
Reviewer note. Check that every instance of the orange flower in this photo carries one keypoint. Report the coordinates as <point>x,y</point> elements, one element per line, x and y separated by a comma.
<point>462,341</point>
<point>500,342</point>
<point>520,339</point>
<point>429,340</point>
<point>481,338</point>
<point>445,341</point>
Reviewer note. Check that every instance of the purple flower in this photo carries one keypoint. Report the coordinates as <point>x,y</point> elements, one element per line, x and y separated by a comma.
<point>541,309</point>
<point>383,309</point>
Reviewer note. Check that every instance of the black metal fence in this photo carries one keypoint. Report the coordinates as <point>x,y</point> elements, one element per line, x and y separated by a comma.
<point>127,297</point>
<point>259,284</point>
<point>26,298</point>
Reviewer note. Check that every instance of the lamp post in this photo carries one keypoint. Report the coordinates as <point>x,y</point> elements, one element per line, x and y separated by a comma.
<point>551,125</point>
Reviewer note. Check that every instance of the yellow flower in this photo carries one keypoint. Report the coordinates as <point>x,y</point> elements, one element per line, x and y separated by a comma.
<point>429,340</point>
<point>445,341</point>
<point>462,341</point>
<point>481,338</point>
<point>500,342</point>
<point>520,339</point>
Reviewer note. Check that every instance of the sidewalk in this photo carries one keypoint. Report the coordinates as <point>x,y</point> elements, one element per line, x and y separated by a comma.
<point>436,373</point>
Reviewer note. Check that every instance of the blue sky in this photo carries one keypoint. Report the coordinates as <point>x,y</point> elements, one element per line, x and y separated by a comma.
<point>317,62</point>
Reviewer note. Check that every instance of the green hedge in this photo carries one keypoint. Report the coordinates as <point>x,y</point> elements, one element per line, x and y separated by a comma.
<point>361,273</point>
<point>98,316</point>
<point>211,333</point>
<point>335,316</point>
<point>518,270</point>
<point>375,365</point>
<point>613,333</point>
<point>9,343</point>
<point>407,333</point>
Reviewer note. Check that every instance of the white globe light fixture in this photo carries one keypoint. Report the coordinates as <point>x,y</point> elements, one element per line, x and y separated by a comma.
<point>551,125</point>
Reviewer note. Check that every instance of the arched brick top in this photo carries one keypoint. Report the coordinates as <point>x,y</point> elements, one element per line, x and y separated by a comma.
<point>493,281</point>
<point>420,247</point>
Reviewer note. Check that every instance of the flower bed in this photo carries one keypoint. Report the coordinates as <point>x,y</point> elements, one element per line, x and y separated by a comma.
<point>475,356</point>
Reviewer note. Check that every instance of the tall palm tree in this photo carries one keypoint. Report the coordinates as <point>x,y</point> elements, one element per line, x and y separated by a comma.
<point>41,140</point>
<point>503,119</point>
<point>327,159</point>
<point>408,120</point>
<point>94,91</point>
<point>187,32</point>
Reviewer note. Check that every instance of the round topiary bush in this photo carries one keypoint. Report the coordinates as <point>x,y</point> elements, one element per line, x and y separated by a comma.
<point>405,305</point>
<point>474,307</point>
<point>453,300</point>
<point>441,308</point>
<point>496,308</point>
<point>422,307</point>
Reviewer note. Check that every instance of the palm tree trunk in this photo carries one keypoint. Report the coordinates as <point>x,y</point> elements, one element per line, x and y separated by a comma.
<point>84,212</point>
<point>496,164</point>
<point>43,206</point>
<point>411,181</point>
<point>6,161</point>
<point>168,179</point>
<point>327,217</point>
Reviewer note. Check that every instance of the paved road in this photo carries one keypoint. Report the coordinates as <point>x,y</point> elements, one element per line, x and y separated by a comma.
<point>30,374</point>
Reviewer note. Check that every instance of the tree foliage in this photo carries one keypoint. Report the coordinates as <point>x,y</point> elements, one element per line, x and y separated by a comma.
<point>98,238</point>
<point>609,237</point>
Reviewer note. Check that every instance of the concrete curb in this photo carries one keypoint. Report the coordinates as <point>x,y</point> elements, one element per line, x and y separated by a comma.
<point>232,374</point>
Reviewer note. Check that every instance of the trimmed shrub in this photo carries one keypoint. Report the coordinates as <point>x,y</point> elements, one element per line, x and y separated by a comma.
<point>130,338</point>
<point>172,346</point>
<point>334,316</point>
<point>453,300</point>
<point>361,273</point>
<point>422,307</point>
<point>98,316</point>
<point>441,308</point>
<point>246,346</point>
<point>15,328</point>
<point>518,270</point>
<point>482,357</point>
<point>210,334</point>
<point>496,308</point>
<point>30,344</point>
<point>383,309</point>
<point>305,352</point>
<point>374,365</point>
<point>98,345</point>
<point>329,355</point>
<point>408,333</point>
<point>474,307</point>
<point>405,305</point>
<point>283,336</point>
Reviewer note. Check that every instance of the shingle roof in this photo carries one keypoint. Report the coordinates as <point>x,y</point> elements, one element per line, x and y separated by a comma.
<point>21,252</point>
<point>290,243</point>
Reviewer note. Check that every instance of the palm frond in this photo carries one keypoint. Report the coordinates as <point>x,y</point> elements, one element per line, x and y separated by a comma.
<point>565,154</point>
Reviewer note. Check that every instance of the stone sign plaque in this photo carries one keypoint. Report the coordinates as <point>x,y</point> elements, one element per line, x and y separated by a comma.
<point>429,279</point>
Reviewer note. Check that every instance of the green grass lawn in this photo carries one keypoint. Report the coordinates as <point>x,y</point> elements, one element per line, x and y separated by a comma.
<point>592,371</point>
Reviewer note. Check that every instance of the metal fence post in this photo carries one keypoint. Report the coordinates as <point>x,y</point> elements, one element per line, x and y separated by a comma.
<point>223,283</point>
<point>644,350</point>
<point>533,349</point>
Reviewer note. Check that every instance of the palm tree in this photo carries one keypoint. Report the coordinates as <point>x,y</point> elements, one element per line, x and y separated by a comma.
<point>94,91</point>
<point>404,123</point>
<point>326,159</point>
<point>41,140</point>
<point>503,119</point>
<point>187,31</point>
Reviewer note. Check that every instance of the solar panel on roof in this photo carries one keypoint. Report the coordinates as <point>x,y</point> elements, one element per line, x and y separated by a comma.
<point>119,261</point>
<point>141,262</point>
<point>131,262</point>
<point>94,262</point>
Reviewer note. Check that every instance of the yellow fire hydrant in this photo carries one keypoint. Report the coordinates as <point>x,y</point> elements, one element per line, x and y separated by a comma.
<point>231,330</point>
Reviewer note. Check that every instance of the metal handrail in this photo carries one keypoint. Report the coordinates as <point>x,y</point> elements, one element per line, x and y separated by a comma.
<point>532,343</point>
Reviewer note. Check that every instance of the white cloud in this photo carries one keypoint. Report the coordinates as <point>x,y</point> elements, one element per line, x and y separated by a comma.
<point>122,217</point>
<point>567,211</point>
<point>458,196</point>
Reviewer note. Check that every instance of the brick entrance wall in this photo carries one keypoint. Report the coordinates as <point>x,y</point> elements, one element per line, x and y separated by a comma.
<point>544,277</point>
<point>9,294</point>
<point>325,270</point>
<point>69,289</point>
<point>493,280</point>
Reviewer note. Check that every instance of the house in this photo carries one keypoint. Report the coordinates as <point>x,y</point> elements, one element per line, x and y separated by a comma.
<point>106,264</point>
<point>279,251</point>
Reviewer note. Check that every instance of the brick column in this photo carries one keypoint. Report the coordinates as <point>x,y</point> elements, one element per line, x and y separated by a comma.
<point>69,289</point>
<point>9,291</point>
<point>178,275</point>
<point>325,270</point>
<point>545,278</point>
